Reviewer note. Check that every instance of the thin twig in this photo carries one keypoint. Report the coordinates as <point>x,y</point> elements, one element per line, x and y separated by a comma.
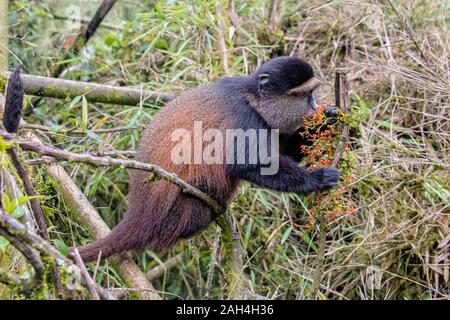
<point>75,131</point>
<point>85,274</point>
<point>86,33</point>
<point>26,284</point>
<point>410,33</point>
<point>221,37</point>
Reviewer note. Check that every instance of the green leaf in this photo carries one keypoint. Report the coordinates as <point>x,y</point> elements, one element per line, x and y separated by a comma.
<point>61,246</point>
<point>3,244</point>
<point>307,240</point>
<point>8,205</point>
<point>413,142</point>
<point>365,111</point>
<point>74,101</point>
<point>93,135</point>
<point>110,39</point>
<point>22,199</point>
<point>72,60</point>
<point>389,125</point>
<point>435,189</point>
<point>286,234</point>
<point>56,128</point>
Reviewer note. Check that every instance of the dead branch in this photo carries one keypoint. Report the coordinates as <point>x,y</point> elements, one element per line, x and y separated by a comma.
<point>86,22</point>
<point>163,268</point>
<point>85,274</point>
<point>221,37</point>
<point>11,188</point>
<point>97,227</point>
<point>62,89</point>
<point>275,14</point>
<point>213,263</point>
<point>87,33</point>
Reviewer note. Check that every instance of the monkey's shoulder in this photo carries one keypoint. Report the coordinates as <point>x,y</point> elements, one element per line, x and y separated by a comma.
<point>207,99</point>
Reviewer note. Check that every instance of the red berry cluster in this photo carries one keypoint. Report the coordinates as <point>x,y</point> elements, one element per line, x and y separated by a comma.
<point>319,153</point>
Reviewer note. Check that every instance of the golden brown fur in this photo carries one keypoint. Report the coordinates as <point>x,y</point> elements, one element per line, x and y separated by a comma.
<point>159,213</point>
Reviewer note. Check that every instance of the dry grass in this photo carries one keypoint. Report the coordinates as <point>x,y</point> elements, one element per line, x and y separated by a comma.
<point>399,65</point>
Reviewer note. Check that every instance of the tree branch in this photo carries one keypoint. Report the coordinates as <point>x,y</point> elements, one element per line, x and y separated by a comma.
<point>90,218</point>
<point>163,268</point>
<point>237,283</point>
<point>221,37</point>
<point>36,210</point>
<point>86,33</point>
<point>62,89</point>
<point>39,269</point>
<point>85,274</point>
<point>24,239</point>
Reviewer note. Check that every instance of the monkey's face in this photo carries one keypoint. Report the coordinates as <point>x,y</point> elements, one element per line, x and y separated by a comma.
<point>286,111</point>
<point>285,93</point>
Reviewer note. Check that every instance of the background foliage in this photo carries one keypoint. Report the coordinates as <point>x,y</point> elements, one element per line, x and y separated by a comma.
<point>396,244</point>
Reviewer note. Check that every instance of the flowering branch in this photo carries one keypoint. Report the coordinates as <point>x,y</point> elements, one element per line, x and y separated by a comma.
<point>338,154</point>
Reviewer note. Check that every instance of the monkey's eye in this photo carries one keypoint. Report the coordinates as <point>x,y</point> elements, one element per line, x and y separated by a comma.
<point>303,94</point>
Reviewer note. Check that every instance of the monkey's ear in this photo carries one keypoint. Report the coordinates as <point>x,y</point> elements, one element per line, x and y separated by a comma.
<point>263,81</point>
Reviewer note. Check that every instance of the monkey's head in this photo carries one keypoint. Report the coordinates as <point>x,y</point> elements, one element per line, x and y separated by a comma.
<point>282,92</point>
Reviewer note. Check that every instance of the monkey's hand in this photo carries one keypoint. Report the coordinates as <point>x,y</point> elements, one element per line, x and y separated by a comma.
<point>326,178</point>
<point>331,111</point>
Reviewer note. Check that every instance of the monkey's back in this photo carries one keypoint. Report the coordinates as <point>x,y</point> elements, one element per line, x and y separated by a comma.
<point>166,212</point>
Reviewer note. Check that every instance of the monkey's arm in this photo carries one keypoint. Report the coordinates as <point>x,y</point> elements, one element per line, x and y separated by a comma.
<point>290,146</point>
<point>290,177</point>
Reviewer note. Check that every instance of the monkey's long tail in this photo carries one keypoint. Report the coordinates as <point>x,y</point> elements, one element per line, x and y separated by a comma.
<point>13,103</point>
<point>125,236</point>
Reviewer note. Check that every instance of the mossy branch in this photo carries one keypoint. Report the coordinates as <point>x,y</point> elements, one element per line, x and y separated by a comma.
<point>62,89</point>
<point>36,210</point>
<point>238,285</point>
<point>33,248</point>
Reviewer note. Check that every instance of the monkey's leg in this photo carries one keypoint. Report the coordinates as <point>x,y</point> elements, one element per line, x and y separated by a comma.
<point>197,216</point>
<point>289,177</point>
